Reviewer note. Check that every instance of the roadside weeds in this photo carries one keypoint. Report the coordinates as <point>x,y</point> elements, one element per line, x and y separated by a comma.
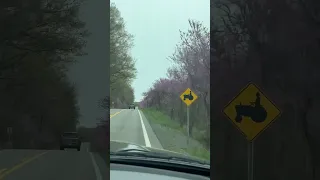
<point>173,137</point>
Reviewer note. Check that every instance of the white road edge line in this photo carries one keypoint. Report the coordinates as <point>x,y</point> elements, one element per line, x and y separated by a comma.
<point>145,134</point>
<point>96,168</point>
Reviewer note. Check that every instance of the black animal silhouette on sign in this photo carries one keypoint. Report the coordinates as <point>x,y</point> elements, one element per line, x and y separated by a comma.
<point>257,113</point>
<point>188,96</point>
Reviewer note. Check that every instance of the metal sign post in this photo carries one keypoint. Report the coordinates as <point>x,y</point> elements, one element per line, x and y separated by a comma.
<point>188,97</point>
<point>188,127</point>
<point>250,160</point>
<point>9,132</point>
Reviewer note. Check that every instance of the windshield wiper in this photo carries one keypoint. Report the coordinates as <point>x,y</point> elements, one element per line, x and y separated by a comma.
<point>149,154</point>
<point>124,151</point>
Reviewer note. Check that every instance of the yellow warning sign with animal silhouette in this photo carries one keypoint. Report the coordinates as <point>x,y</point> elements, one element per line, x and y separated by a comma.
<point>188,97</point>
<point>251,111</point>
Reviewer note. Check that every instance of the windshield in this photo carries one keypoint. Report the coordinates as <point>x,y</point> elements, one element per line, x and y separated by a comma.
<point>166,74</point>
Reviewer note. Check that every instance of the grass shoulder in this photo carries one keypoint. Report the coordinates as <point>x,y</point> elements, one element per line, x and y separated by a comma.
<point>157,117</point>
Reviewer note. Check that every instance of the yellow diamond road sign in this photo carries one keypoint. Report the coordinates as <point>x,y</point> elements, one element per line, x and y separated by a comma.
<point>188,97</point>
<point>251,111</point>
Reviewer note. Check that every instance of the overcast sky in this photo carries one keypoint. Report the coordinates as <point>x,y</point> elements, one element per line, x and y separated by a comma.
<point>155,25</point>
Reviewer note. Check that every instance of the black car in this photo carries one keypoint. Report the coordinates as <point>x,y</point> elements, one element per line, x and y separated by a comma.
<point>132,106</point>
<point>70,140</point>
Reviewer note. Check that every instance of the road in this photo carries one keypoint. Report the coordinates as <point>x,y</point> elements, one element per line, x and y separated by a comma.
<point>130,125</point>
<point>52,164</point>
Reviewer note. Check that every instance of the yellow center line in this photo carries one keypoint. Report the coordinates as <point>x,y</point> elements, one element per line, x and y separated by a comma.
<point>24,159</point>
<point>18,166</point>
<point>2,170</point>
<point>112,115</point>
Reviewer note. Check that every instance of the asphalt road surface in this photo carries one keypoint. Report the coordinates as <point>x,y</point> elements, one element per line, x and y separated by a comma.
<point>52,165</point>
<point>130,125</point>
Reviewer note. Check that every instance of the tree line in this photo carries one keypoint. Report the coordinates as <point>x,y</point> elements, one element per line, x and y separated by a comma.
<point>122,64</point>
<point>191,69</point>
<point>38,42</point>
<point>122,72</point>
<point>274,44</point>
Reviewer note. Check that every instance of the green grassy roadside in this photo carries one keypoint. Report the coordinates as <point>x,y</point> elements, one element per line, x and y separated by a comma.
<point>164,120</point>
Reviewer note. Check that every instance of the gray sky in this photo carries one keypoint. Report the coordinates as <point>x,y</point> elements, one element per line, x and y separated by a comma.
<point>91,74</point>
<point>155,25</point>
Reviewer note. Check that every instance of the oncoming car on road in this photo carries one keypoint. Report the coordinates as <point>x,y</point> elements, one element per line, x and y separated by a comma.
<point>132,106</point>
<point>70,140</point>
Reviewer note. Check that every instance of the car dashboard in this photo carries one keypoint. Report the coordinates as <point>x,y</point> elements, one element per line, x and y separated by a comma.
<point>124,171</point>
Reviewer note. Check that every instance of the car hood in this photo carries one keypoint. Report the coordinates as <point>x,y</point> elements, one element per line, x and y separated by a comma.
<point>116,146</point>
